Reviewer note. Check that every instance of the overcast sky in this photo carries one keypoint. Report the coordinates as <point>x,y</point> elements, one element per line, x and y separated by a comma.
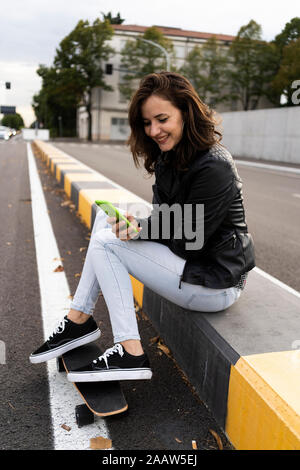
<point>32,29</point>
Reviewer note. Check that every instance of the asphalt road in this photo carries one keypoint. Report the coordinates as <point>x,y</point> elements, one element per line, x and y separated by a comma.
<point>164,414</point>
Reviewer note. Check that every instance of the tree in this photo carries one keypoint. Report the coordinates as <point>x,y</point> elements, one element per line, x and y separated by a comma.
<point>59,97</point>
<point>77,68</point>
<point>253,64</point>
<point>289,71</point>
<point>287,44</point>
<point>83,51</point>
<point>290,33</point>
<point>206,68</point>
<point>14,121</point>
<point>139,58</point>
<point>112,19</point>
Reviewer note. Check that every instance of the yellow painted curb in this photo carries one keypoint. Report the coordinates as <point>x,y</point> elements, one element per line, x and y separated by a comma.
<point>263,402</point>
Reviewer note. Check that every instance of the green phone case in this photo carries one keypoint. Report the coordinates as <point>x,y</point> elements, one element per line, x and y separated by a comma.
<point>112,211</point>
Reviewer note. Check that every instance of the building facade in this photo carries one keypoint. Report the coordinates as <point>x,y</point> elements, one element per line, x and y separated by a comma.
<point>109,108</point>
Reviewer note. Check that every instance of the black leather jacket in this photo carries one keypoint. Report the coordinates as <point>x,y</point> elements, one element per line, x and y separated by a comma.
<point>211,179</point>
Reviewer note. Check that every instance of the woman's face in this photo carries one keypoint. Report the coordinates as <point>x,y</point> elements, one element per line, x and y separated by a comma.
<point>162,122</point>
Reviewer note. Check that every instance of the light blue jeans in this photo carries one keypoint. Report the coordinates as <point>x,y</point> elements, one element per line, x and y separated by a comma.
<point>108,263</point>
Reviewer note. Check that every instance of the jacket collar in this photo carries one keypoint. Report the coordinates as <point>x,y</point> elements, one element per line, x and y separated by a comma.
<point>168,179</point>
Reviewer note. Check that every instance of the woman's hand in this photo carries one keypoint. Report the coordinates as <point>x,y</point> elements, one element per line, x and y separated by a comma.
<point>121,230</point>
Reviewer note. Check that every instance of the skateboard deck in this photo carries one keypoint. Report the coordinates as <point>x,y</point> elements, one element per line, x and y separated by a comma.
<point>102,398</point>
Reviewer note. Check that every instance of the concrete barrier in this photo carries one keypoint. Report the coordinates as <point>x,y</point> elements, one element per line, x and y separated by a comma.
<point>267,134</point>
<point>244,363</point>
<point>32,134</point>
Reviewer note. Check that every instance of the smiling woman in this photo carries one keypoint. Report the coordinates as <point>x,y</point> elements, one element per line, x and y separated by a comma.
<point>166,110</point>
<point>162,122</point>
<point>203,268</point>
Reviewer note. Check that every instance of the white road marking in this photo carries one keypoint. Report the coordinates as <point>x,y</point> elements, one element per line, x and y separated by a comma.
<point>277,282</point>
<point>267,166</point>
<point>54,292</point>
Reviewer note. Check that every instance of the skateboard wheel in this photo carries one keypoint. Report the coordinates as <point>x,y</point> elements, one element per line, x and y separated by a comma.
<point>83,415</point>
<point>60,365</point>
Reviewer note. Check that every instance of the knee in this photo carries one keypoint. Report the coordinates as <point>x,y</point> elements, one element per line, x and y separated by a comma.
<point>100,220</point>
<point>102,237</point>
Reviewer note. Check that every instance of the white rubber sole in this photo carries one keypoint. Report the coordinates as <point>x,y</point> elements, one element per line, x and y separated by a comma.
<point>110,375</point>
<point>59,351</point>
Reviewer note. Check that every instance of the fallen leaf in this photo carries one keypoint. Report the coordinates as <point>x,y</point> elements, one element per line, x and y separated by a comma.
<point>67,428</point>
<point>58,259</point>
<point>194,445</point>
<point>8,243</point>
<point>178,440</point>
<point>218,439</point>
<point>77,275</point>
<point>59,269</point>
<point>100,443</point>
<point>82,249</point>
<point>65,203</point>
<point>69,252</point>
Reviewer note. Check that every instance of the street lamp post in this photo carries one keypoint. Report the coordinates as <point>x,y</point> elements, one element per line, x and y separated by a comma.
<point>161,48</point>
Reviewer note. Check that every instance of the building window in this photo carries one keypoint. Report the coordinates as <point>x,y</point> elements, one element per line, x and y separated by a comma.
<point>122,98</point>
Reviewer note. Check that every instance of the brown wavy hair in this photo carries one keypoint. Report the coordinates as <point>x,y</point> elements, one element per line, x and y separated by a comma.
<point>199,132</point>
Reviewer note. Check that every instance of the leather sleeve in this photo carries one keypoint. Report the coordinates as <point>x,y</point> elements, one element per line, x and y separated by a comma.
<point>211,186</point>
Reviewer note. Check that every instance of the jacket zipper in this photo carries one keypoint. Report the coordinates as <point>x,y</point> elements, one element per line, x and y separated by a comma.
<point>181,276</point>
<point>233,245</point>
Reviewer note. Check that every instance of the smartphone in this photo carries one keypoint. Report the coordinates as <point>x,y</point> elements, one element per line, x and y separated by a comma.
<point>112,211</point>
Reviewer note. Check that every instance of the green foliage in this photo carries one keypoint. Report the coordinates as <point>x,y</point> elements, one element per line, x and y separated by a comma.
<point>253,63</point>
<point>290,33</point>
<point>206,68</point>
<point>139,58</point>
<point>60,95</point>
<point>112,19</point>
<point>289,70</point>
<point>14,121</point>
<point>77,69</point>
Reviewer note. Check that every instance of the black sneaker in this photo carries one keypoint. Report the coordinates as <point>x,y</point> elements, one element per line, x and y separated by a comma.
<point>66,336</point>
<point>114,364</point>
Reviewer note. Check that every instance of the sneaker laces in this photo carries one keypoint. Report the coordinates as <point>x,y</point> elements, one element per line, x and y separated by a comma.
<point>60,327</point>
<point>116,348</point>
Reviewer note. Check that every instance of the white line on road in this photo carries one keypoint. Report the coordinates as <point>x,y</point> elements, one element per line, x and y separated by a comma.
<point>54,293</point>
<point>268,166</point>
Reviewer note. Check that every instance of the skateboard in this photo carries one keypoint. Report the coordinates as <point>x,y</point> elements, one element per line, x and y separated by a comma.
<point>100,398</point>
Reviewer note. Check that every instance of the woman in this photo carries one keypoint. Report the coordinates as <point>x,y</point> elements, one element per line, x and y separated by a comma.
<point>199,260</point>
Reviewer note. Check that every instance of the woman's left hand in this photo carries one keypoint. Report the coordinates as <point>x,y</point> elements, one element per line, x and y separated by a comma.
<point>121,230</point>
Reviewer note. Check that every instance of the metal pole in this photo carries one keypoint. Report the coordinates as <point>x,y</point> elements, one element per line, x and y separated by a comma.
<point>161,48</point>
